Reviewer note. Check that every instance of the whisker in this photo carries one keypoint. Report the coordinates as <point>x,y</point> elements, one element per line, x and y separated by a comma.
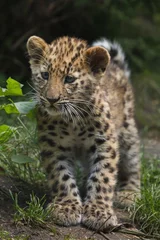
<point>33,88</point>
<point>71,114</point>
<point>70,111</point>
<point>67,112</point>
<point>83,110</point>
<point>78,110</point>
<point>78,114</point>
<point>88,104</point>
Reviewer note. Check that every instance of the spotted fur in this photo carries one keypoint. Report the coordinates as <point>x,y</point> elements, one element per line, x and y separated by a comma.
<point>85,113</point>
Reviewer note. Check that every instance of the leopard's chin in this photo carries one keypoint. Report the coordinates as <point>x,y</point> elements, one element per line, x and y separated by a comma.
<point>52,111</point>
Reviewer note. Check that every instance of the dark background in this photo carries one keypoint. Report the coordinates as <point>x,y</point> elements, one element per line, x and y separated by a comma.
<point>134,23</point>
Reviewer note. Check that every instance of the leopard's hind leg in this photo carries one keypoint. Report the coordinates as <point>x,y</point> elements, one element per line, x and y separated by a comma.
<point>128,184</point>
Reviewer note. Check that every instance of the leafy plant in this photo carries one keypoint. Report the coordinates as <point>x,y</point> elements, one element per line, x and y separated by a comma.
<point>19,150</point>
<point>14,88</point>
<point>6,132</point>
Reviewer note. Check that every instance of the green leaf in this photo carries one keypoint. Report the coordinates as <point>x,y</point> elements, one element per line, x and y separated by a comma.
<point>2,106</point>
<point>6,132</point>
<point>25,107</point>
<point>21,159</point>
<point>2,92</point>
<point>13,88</point>
<point>20,107</point>
<point>10,108</point>
<point>32,114</point>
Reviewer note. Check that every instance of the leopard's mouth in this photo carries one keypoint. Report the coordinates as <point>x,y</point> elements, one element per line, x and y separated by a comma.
<point>59,109</point>
<point>70,111</point>
<point>53,111</point>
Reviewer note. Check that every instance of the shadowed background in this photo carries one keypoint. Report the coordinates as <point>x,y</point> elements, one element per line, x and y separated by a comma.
<point>133,23</point>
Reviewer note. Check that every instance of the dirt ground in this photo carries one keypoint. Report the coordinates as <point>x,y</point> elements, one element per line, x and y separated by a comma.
<point>151,148</point>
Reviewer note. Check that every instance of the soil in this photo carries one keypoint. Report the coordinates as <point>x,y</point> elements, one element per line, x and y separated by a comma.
<point>151,148</point>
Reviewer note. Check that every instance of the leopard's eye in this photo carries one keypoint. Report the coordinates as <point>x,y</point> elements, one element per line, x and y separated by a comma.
<point>69,79</point>
<point>45,75</point>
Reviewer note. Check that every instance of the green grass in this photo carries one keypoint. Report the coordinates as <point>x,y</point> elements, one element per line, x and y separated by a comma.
<point>5,235</point>
<point>19,156</point>
<point>34,213</point>
<point>146,211</point>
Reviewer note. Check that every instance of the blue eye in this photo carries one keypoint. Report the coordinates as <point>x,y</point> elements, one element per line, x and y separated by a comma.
<point>69,79</point>
<point>45,75</point>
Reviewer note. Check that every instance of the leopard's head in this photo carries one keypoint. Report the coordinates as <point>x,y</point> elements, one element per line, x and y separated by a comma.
<point>65,72</point>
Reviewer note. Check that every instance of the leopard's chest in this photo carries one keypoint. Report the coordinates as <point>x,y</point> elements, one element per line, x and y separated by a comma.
<point>78,138</point>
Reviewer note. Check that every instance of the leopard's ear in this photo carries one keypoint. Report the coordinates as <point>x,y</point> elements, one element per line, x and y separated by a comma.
<point>97,59</point>
<point>36,47</point>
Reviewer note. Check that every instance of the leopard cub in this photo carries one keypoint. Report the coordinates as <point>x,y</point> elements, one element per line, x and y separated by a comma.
<point>85,115</point>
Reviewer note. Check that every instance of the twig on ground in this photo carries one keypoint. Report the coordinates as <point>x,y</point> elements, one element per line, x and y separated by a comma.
<point>98,230</point>
<point>103,235</point>
<point>139,234</point>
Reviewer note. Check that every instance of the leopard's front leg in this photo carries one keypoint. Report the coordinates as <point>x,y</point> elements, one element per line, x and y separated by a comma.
<point>66,201</point>
<point>98,213</point>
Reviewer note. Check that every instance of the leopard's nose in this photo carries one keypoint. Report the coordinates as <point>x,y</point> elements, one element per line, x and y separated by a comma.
<point>53,100</point>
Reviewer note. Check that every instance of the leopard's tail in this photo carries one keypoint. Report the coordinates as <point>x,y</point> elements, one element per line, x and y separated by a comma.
<point>116,52</point>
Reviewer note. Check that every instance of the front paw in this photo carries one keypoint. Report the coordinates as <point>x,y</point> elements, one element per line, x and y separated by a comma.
<point>98,217</point>
<point>66,213</point>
